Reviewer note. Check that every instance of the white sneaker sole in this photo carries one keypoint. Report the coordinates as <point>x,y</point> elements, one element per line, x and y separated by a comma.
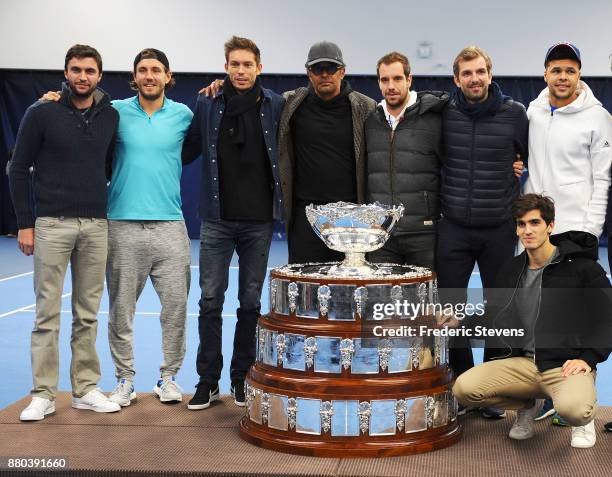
<point>582,445</point>
<point>523,437</point>
<point>199,407</point>
<point>89,407</point>
<point>124,403</point>
<point>51,410</point>
<point>157,391</point>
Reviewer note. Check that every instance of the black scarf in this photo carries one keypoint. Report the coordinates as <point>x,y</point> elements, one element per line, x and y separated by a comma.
<point>488,107</point>
<point>237,105</point>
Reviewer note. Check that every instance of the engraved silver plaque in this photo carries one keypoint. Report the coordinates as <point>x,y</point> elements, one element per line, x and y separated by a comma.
<point>341,303</point>
<point>365,360</point>
<point>378,296</point>
<point>269,351</point>
<point>308,419</point>
<point>345,420</point>
<point>294,352</point>
<point>307,301</point>
<point>416,417</point>
<point>256,411</point>
<point>277,414</point>
<point>440,415</point>
<point>400,357</point>
<point>382,420</point>
<point>282,297</point>
<point>327,357</point>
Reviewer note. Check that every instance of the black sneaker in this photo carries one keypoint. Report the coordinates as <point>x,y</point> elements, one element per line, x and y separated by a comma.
<point>204,395</point>
<point>237,392</point>
<point>608,426</point>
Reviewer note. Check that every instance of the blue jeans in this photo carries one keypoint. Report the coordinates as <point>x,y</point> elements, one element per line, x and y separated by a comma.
<point>219,239</point>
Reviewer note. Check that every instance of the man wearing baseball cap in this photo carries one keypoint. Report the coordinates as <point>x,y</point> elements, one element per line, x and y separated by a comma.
<point>321,147</point>
<point>570,136</point>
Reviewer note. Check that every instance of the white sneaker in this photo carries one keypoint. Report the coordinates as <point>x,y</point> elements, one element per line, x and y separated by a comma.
<point>94,400</point>
<point>584,437</point>
<point>523,426</point>
<point>124,393</point>
<point>37,409</point>
<point>168,390</point>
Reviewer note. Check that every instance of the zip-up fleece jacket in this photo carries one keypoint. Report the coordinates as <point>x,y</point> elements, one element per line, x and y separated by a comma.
<point>71,158</point>
<point>478,182</point>
<point>574,318</point>
<point>570,152</point>
<point>403,166</point>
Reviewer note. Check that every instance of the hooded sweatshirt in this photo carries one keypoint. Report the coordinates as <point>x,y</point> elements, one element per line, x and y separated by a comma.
<point>569,159</point>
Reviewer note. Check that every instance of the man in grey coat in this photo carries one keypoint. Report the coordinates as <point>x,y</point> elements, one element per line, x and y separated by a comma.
<point>321,149</point>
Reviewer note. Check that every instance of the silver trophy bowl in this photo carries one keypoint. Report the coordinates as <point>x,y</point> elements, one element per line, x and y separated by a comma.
<point>353,229</point>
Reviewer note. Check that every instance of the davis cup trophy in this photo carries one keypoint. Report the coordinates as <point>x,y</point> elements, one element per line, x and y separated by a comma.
<point>335,375</point>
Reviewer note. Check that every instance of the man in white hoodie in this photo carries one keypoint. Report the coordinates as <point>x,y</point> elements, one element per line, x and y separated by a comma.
<point>570,134</point>
<point>570,137</point>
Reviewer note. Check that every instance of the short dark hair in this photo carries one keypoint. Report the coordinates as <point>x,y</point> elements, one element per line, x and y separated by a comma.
<point>528,202</point>
<point>152,54</point>
<point>83,51</point>
<point>470,53</point>
<point>239,43</point>
<point>394,57</point>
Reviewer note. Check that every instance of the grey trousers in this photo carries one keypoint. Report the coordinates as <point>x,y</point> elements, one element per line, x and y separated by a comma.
<point>57,242</point>
<point>160,250</point>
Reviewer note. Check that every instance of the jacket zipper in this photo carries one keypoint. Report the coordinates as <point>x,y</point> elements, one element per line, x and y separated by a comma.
<point>518,280</point>
<point>538,313</point>
<point>469,202</point>
<point>392,158</point>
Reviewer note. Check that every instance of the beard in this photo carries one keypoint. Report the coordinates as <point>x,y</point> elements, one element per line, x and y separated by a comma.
<point>79,94</point>
<point>150,96</point>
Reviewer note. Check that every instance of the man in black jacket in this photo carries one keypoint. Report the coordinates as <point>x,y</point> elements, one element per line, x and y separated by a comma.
<point>70,144</point>
<point>559,296</point>
<point>483,133</point>
<point>403,161</point>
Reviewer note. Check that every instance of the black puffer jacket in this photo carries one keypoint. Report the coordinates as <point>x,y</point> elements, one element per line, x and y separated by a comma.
<point>478,183</point>
<point>404,165</point>
<point>574,319</point>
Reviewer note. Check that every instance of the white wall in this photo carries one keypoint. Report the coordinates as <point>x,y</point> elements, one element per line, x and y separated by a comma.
<point>36,33</point>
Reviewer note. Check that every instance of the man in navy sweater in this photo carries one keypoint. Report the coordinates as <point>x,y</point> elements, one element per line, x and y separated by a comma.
<point>69,143</point>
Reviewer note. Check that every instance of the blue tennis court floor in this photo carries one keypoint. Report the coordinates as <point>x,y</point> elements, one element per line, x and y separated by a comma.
<point>17,318</point>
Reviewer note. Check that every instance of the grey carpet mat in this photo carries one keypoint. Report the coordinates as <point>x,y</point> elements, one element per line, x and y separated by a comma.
<point>152,439</point>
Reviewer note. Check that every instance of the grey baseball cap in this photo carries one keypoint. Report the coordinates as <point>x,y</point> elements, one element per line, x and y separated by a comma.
<point>324,51</point>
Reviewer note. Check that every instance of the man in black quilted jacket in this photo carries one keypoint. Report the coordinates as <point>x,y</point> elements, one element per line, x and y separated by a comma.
<point>484,134</point>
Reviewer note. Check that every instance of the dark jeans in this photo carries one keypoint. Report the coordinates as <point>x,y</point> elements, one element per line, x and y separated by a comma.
<point>408,249</point>
<point>219,239</point>
<point>459,248</point>
<point>304,244</point>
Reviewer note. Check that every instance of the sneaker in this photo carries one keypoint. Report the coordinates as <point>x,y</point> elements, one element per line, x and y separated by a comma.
<point>492,412</point>
<point>608,426</point>
<point>37,409</point>
<point>557,420</point>
<point>523,426</point>
<point>123,394</point>
<point>237,392</point>
<point>204,395</point>
<point>463,410</point>
<point>94,400</point>
<point>584,437</point>
<point>168,390</point>
<point>547,410</point>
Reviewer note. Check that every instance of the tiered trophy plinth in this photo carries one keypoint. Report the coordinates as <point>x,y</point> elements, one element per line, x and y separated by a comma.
<point>322,385</point>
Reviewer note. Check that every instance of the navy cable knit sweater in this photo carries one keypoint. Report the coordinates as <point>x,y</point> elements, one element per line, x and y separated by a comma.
<point>70,155</point>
